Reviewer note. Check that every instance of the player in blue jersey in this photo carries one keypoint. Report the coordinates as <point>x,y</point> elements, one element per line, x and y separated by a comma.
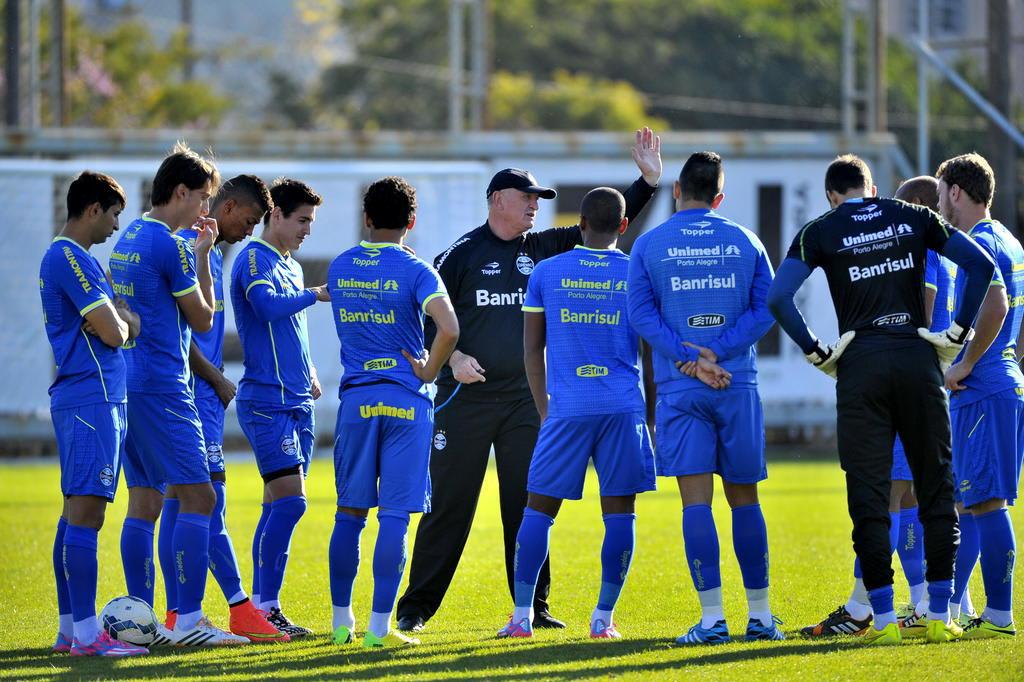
<point>171,287</point>
<point>379,295</point>
<point>575,308</point>
<point>87,403</point>
<point>238,207</point>
<point>700,279</point>
<point>279,383</point>
<point>987,401</point>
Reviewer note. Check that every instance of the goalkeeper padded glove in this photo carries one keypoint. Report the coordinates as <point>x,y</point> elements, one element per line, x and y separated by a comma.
<point>948,343</point>
<point>827,358</point>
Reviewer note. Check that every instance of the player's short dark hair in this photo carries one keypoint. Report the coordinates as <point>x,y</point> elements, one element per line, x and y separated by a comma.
<point>288,194</point>
<point>247,190</point>
<point>702,177</point>
<point>390,203</point>
<point>603,208</point>
<point>972,174</point>
<point>182,167</point>
<point>90,188</point>
<point>922,190</point>
<point>847,172</point>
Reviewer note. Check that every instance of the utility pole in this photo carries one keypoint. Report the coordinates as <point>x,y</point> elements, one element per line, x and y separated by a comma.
<point>1001,150</point>
<point>12,65</point>
<point>58,51</point>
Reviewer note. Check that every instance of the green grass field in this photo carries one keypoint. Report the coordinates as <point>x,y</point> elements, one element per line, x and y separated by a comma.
<point>804,503</point>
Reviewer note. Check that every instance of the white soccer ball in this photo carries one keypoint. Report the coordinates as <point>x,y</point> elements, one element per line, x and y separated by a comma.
<point>130,620</point>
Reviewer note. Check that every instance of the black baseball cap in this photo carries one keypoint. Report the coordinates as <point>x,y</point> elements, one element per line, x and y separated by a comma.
<point>517,178</point>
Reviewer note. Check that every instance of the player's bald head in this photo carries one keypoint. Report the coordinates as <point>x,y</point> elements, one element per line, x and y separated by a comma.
<point>603,209</point>
<point>922,190</point>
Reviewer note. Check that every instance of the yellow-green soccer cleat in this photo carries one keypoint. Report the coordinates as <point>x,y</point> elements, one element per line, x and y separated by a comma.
<point>887,636</point>
<point>939,631</point>
<point>979,628</point>
<point>914,626</point>
<point>392,640</point>
<point>342,635</point>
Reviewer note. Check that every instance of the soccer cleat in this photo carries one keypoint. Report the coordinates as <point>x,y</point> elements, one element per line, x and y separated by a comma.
<point>105,645</point>
<point>250,622</point>
<point>62,645</point>
<point>716,634</point>
<point>939,631</point>
<point>392,640</point>
<point>342,635</point>
<point>170,619</point>
<point>601,630</point>
<point>914,626</point>
<point>514,629</point>
<point>979,628</point>
<point>839,622</point>
<point>887,636</point>
<point>758,632</point>
<point>203,634</point>
<point>280,621</point>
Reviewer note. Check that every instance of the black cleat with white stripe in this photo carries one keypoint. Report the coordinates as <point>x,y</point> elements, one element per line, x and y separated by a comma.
<point>837,623</point>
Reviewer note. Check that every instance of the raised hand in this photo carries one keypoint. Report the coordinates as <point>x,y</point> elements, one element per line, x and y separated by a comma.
<point>647,155</point>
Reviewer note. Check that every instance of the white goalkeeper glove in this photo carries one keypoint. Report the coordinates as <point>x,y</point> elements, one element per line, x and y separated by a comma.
<point>827,358</point>
<point>948,343</point>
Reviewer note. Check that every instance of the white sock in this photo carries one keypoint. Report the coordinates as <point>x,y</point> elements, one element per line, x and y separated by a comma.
<point>237,597</point>
<point>966,605</point>
<point>883,619</point>
<point>757,603</point>
<point>954,610</point>
<point>598,614</point>
<point>858,610</point>
<point>66,625</point>
<point>187,621</point>
<point>711,607</point>
<point>343,616</point>
<point>917,592</point>
<point>520,612</point>
<point>87,630</point>
<point>995,616</point>
<point>380,623</point>
<point>272,604</point>
<point>255,598</point>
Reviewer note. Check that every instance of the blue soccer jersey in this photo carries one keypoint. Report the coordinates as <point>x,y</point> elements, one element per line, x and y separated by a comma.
<point>269,299</point>
<point>72,283</point>
<point>997,370</point>
<point>702,278</point>
<point>152,268</point>
<point>591,349</point>
<point>379,294</point>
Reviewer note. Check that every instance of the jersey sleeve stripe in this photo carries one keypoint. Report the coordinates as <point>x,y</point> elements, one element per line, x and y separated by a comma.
<point>259,281</point>
<point>184,292</point>
<point>428,299</point>
<point>532,309</point>
<point>93,306</point>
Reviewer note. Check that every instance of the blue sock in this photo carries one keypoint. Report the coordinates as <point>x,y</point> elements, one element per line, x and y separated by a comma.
<point>344,556</point>
<point>531,551</point>
<point>616,556</point>
<point>165,550</point>
<point>998,548</point>
<point>223,561</point>
<point>389,559</point>
<point>137,558</point>
<point>63,600</point>
<point>750,542</point>
<point>966,556</point>
<point>881,604</point>
<point>192,559</point>
<point>80,566</point>
<point>700,538</point>
<point>257,538</point>
<point>910,546</point>
<point>939,592</point>
<point>277,540</point>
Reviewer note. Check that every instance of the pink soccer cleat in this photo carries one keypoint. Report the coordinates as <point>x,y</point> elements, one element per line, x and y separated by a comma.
<point>106,646</point>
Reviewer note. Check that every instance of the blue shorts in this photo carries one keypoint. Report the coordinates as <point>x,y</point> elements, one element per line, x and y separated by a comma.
<point>900,468</point>
<point>988,446</point>
<point>382,449</point>
<point>211,414</point>
<point>281,437</point>
<point>702,431</point>
<point>90,441</point>
<point>619,444</point>
<point>165,442</point>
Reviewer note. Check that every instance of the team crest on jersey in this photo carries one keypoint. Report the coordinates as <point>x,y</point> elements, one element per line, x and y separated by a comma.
<point>524,264</point>
<point>440,441</point>
<point>288,446</point>
<point>214,454</point>
<point>107,477</point>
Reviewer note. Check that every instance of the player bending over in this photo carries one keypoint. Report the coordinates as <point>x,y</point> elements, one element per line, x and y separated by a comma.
<point>575,308</point>
<point>379,295</point>
<point>279,383</point>
<point>86,325</point>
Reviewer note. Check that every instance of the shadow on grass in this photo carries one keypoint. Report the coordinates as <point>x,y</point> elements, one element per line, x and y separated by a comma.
<point>476,661</point>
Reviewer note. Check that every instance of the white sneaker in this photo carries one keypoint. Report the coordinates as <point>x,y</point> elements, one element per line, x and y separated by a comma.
<point>204,633</point>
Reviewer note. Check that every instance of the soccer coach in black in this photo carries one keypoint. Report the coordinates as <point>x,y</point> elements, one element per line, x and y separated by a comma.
<point>889,379</point>
<point>483,397</point>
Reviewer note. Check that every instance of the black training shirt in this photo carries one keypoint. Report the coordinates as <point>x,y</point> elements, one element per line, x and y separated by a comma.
<point>873,255</point>
<point>486,280</point>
